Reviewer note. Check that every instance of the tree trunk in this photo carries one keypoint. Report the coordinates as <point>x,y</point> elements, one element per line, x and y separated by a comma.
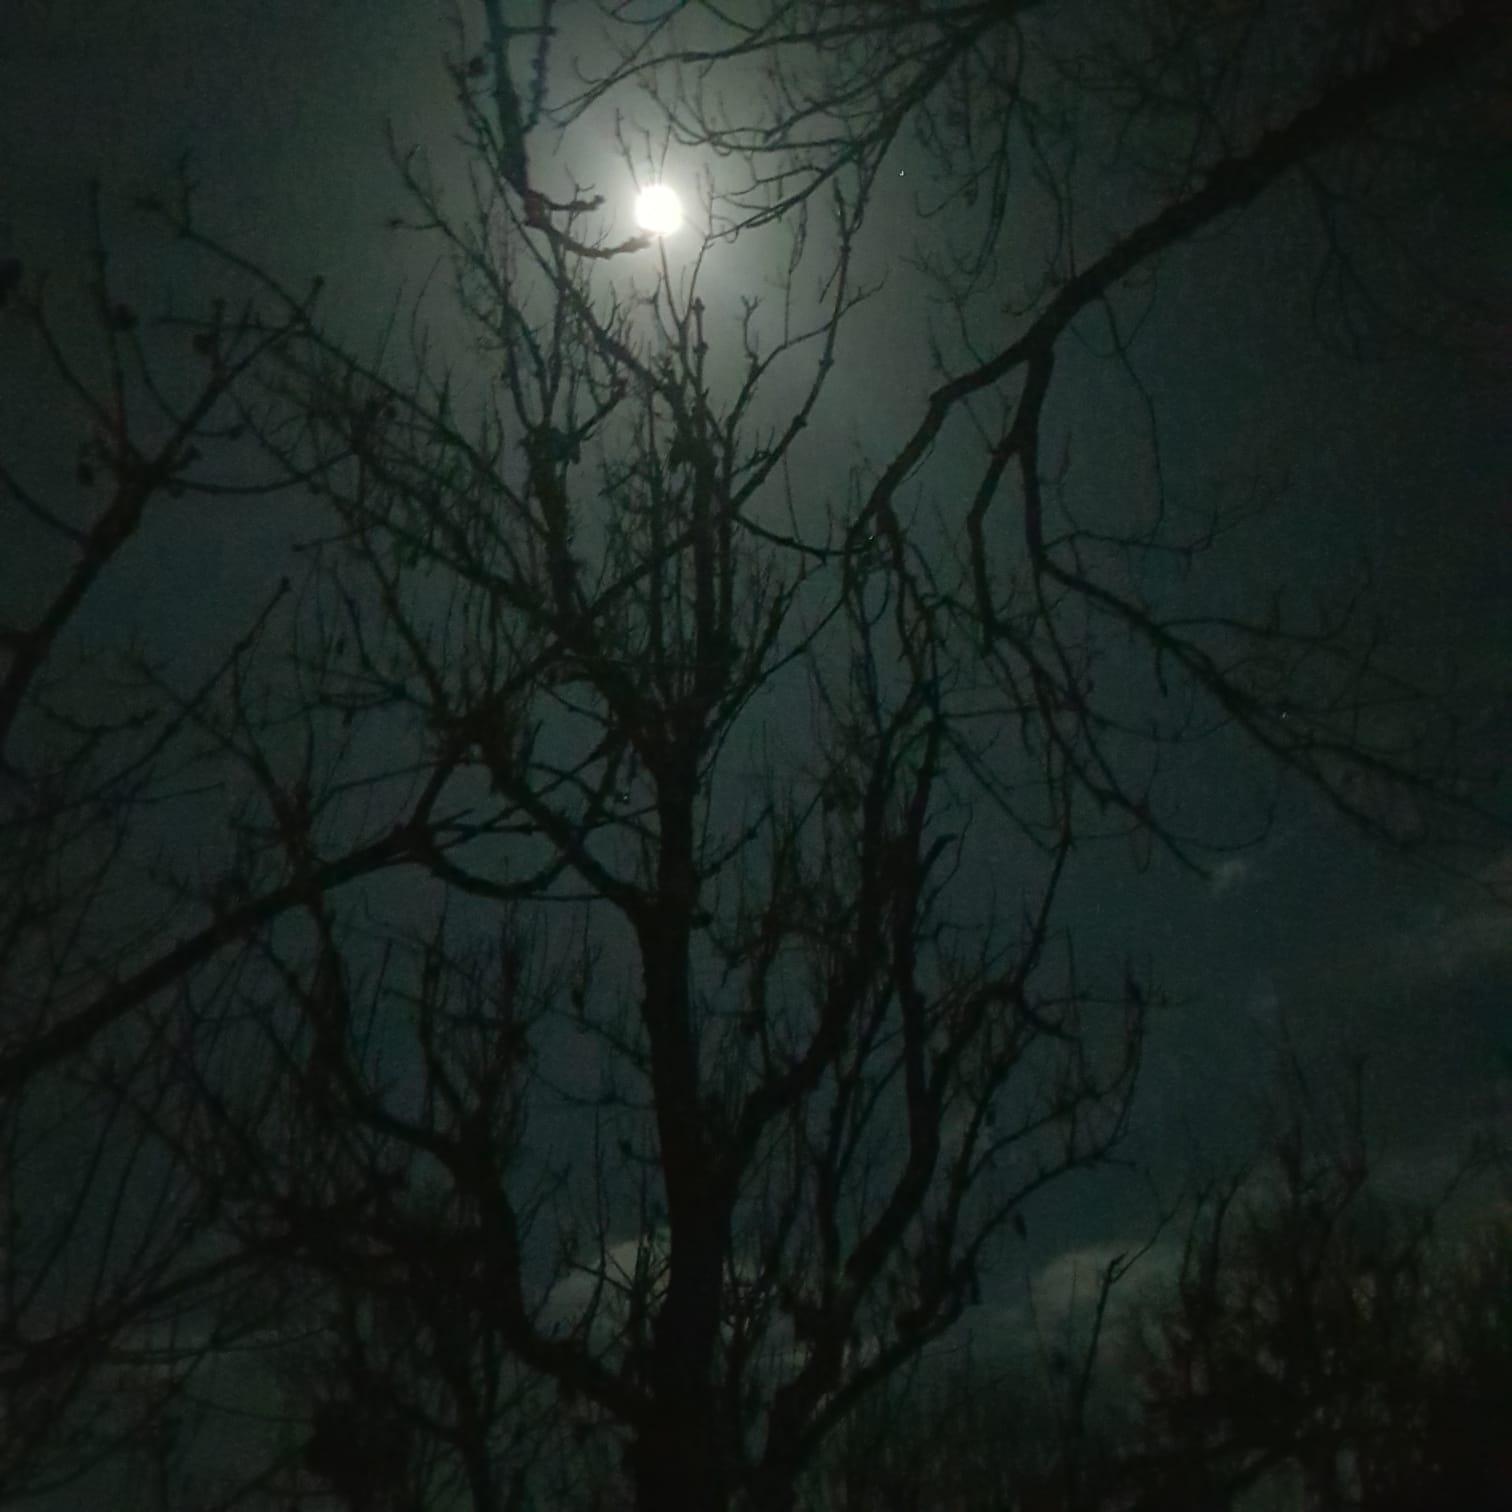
<point>676,1466</point>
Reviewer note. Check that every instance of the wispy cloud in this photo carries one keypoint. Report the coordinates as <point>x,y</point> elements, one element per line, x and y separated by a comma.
<point>1475,933</point>
<point>1230,873</point>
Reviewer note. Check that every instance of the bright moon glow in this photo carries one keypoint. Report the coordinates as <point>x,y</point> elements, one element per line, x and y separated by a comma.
<point>657,210</point>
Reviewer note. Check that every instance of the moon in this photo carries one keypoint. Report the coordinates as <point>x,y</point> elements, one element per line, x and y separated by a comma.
<point>657,210</point>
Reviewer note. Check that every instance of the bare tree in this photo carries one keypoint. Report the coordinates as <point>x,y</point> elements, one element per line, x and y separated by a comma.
<point>703,774</point>
<point>795,1174</point>
<point>1315,1332</point>
<point>109,1298</point>
<point>1317,1341</point>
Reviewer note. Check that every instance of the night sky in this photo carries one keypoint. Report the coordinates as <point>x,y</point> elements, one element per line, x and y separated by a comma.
<point>1313,936</point>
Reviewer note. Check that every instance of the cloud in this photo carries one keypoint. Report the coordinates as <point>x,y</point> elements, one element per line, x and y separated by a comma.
<point>1262,1005</point>
<point>1229,874</point>
<point>640,1259</point>
<point>1065,1288</point>
<point>1474,934</point>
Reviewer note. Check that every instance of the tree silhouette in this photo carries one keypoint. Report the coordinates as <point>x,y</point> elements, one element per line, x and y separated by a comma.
<point>1317,1342</point>
<point>601,767</point>
<point>1318,1329</point>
